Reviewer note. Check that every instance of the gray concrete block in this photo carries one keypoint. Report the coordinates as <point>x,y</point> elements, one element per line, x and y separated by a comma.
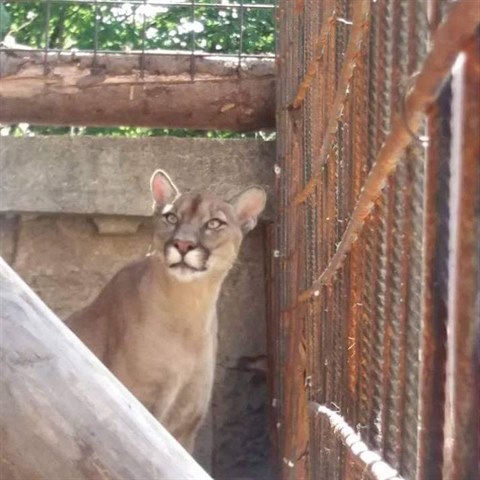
<point>110,176</point>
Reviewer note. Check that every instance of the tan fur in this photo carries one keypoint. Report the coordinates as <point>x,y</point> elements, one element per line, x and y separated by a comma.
<point>155,326</point>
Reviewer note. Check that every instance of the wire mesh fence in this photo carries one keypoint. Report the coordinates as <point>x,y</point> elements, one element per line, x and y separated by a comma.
<point>365,259</point>
<point>243,29</point>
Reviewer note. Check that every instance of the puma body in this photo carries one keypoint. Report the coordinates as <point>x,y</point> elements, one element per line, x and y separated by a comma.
<point>154,325</point>
<point>159,340</point>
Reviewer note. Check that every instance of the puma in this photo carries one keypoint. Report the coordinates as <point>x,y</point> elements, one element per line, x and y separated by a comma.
<point>154,325</point>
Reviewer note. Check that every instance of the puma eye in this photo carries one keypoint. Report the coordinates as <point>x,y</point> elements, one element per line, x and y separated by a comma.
<point>214,223</point>
<point>171,218</point>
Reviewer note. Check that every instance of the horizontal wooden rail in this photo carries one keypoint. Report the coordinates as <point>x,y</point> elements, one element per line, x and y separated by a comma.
<point>158,91</point>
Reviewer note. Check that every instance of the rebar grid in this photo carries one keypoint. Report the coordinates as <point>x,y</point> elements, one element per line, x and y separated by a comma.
<point>433,297</point>
<point>143,15</point>
<point>460,26</point>
<point>357,301</point>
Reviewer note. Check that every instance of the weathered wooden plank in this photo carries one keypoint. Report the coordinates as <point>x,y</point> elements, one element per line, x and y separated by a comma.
<point>123,89</point>
<point>63,415</point>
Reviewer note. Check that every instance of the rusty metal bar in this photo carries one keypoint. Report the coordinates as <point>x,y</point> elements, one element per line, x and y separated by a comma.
<point>360,27</point>
<point>338,367</point>
<point>400,226</point>
<point>312,67</point>
<point>380,318</point>
<point>462,421</point>
<point>386,284</point>
<point>394,399</point>
<point>363,336</point>
<point>359,331</point>
<point>448,41</point>
<point>368,346</point>
<point>412,284</point>
<point>374,70</point>
<point>434,293</point>
<point>417,34</point>
<point>371,460</point>
<point>293,423</point>
<point>271,315</point>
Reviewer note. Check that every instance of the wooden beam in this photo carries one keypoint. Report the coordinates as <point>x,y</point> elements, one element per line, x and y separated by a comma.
<point>63,415</point>
<point>122,89</point>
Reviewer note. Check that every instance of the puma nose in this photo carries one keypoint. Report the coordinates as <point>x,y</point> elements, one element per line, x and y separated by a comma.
<point>183,246</point>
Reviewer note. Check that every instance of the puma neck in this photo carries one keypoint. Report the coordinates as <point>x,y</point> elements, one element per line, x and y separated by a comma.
<point>184,304</point>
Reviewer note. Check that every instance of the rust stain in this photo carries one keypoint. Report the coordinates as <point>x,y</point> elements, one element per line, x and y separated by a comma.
<point>448,42</point>
<point>299,6</point>
<point>349,255</point>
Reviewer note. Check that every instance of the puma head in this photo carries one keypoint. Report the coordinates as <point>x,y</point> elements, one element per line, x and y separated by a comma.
<point>199,234</point>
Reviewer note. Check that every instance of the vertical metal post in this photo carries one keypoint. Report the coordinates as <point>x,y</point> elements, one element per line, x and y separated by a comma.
<point>144,34</point>
<point>462,420</point>
<point>48,7</point>
<point>95,37</point>
<point>240,41</point>
<point>192,39</point>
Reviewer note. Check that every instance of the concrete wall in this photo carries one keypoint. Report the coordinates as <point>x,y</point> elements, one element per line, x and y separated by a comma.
<point>67,258</point>
<point>100,175</point>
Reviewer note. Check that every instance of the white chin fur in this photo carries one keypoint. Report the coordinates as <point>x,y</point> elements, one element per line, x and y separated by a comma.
<point>184,274</point>
<point>194,259</point>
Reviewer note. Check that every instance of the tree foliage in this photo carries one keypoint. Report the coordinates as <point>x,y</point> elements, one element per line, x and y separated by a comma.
<point>123,26</point>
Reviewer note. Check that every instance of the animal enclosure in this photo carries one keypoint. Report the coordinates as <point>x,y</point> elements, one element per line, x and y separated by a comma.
<point>375,253</point>
<point>372,254</point>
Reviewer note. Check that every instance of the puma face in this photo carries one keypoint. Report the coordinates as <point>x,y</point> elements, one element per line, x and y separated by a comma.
<point>199,234</point>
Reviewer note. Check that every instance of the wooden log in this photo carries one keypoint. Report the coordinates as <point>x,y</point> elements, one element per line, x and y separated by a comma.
<point>122,89</point>
<point>63,415</point>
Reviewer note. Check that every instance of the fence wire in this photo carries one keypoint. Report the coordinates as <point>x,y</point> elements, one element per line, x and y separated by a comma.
<point>365,267</point>
<point>141,28</point>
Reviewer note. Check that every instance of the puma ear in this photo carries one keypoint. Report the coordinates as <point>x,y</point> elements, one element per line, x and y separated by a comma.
<point>163,189</point>
<point>248,205</point>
